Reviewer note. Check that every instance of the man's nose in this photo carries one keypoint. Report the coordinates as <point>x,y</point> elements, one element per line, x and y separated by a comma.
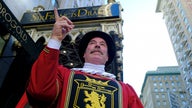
<point>97,46</point>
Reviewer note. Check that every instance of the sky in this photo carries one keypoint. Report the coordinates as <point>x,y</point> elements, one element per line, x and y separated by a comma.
<point>146,41</point>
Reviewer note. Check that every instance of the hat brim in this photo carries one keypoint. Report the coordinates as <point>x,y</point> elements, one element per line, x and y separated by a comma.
<point>108,39</point>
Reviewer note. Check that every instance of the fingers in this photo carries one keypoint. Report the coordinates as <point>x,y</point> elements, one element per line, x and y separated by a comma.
<point>62,26</point>
<point>68,20</point>
<point>63,18</point>
<point>56,14</point>
<point>66,24</point>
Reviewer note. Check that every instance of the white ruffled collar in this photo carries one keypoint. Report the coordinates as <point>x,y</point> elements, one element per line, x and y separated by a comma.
<point>95,69</point>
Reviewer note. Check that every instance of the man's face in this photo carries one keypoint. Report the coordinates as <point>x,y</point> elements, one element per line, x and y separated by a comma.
<point>96,51</point>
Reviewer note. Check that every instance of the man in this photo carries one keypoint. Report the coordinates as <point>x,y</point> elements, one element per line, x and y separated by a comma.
<point>55,86</point>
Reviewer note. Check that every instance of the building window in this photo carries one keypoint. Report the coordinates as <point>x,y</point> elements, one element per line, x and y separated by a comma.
<point>189,29</point>
<point>178,84</point>
<point>174,89</point>
<point>172,83</point>
<point>181,95</point>
<point>190,91</point>
<point>182,13</point>
<point>85,3</point>
<point>166,83</point>
<point>156,89</point>
<point>157,96</point>
<point>154,84</point>
<point>179,5</point>
<point>164,102</point>
<point>167,89</point>
<point>160,83</point>
<point>158,103</point>
<point>153,78</point>
<point>185,20</point>
<point>159,78</point>
<point>177,77</point>
<point>162,89</point>
<point>184,102</point>
<point>163,95</point>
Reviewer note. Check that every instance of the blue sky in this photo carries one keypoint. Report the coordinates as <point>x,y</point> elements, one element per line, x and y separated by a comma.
<point>146,41</point>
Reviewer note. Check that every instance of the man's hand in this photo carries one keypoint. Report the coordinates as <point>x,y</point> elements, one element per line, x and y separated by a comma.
<point>61,27</point>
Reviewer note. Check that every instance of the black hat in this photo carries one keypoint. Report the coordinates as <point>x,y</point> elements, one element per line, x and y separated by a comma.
<point>108,39</point>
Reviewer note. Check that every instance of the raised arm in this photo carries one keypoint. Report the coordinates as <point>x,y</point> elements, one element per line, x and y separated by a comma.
<point>44,83</point>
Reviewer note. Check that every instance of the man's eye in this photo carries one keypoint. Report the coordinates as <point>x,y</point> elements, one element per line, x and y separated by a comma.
<point>103,44</point>
<point>91,42</point>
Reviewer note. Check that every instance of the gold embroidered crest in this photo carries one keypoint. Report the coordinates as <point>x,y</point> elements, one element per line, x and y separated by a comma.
<point>88,92</point>
<point>96,100</point>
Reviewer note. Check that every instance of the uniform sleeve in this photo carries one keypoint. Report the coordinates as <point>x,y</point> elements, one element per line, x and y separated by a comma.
<point>130,98</point>
<point>44,84</point>
<point>23,102</point>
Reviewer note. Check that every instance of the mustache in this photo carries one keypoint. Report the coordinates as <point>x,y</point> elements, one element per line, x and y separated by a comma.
<point>96,50</point>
